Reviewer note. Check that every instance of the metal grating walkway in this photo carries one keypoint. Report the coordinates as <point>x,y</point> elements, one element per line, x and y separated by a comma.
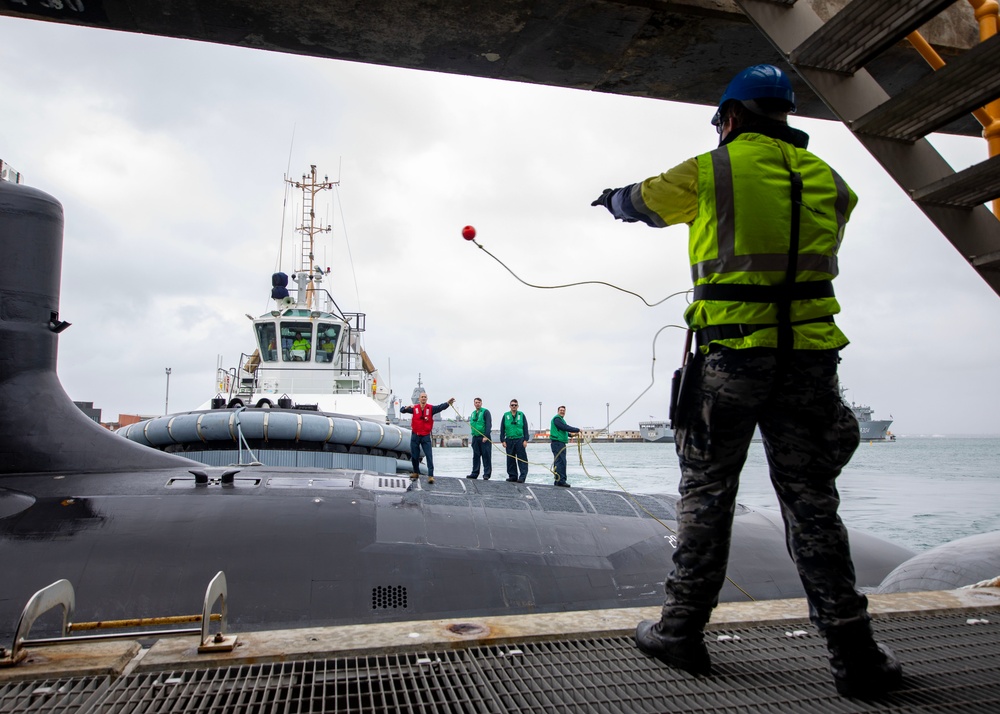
<point>951,660</point>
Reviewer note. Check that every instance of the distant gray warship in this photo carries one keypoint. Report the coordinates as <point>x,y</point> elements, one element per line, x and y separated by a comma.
<point>871,429</point>
<point>656,431</point>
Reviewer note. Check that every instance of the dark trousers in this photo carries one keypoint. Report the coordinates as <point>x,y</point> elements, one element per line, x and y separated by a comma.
<point>417,443</point>
<point>517,459</point>
<point>559,460</point>
<point>482,450</point>
<point>809,435</point>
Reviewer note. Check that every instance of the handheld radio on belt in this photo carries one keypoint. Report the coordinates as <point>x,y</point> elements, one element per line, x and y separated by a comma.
<point>682,383</point>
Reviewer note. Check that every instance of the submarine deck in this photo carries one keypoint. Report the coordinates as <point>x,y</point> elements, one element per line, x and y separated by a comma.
<point>766,658</point>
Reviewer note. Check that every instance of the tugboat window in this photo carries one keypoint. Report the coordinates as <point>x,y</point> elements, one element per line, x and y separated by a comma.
<point>266,342</point>
<point>296,341</point>
<point>326,335</point>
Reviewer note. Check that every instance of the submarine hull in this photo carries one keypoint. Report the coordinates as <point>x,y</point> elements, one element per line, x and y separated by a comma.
<point>319,547</point>
<point>140,533</point>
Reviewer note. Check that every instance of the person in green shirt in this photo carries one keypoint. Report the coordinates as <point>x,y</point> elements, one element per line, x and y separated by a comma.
<point>513,437</point>
<point>481,424</point>
<point>559,432</point>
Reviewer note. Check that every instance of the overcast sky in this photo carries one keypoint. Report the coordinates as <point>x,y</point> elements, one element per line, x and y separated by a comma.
<point>168,157</point>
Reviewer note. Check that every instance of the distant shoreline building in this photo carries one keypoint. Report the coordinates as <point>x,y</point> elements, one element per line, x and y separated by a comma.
<point>88,409</point>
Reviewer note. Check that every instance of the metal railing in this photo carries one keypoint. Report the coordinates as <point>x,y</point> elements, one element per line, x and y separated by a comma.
<point>61,594</point>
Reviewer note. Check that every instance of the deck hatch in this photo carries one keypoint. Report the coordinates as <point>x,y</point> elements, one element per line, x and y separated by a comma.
<point>318,484</point>
<point>383,482</point>
<point>214,480</point>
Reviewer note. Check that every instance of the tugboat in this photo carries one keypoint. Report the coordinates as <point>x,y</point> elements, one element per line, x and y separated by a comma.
<point>308,387</point>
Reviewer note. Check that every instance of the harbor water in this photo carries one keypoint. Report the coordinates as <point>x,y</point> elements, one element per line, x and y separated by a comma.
<point>918,492</point>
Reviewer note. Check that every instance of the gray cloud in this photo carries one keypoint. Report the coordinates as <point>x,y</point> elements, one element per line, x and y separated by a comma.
<point>168,157</point>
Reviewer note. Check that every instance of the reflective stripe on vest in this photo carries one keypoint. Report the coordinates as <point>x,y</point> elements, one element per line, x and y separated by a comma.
<point>728,261</point>
<point>740,240</point>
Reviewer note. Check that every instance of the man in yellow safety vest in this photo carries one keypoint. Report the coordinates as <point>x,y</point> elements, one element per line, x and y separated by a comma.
<point>766,218</point>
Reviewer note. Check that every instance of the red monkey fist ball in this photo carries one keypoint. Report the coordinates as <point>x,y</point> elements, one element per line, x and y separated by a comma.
<point>468,233</point>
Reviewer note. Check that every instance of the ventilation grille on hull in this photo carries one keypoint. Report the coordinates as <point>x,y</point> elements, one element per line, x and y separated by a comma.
<point>389,597</point>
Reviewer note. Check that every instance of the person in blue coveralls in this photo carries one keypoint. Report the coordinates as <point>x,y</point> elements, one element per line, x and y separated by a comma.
<point>559,432</point>
<point>481,424</point>
<point>513,436</point>
<point>420,432</point>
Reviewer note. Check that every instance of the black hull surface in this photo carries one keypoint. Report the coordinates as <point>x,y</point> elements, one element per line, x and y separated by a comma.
<point>336,547</point>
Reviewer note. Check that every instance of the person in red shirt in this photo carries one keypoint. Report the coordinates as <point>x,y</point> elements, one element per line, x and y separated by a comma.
<point>420,437</point>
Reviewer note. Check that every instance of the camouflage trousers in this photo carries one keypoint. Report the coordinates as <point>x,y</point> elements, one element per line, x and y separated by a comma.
<point>809,435</point>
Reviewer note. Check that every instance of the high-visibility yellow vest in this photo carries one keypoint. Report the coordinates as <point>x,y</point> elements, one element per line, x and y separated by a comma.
<point>741,237</point>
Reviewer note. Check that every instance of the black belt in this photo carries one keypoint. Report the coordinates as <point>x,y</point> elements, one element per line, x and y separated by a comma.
<point>712,333</point>
<point>812,290</point>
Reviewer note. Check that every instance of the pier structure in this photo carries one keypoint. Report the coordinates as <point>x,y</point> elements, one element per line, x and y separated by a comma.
<point>766,657</point>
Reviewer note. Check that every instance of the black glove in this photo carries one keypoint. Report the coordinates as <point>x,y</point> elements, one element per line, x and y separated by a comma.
<point>604,199</point>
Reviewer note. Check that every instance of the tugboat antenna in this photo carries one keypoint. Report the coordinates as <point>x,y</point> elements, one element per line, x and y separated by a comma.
<point>310,186</point>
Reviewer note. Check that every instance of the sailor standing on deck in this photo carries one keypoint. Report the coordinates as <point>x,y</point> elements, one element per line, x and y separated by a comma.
<point>481,425</point>
<point>513,437</point>
<point>766,219</point>
<point>559,432</point>
<point>420,436</point>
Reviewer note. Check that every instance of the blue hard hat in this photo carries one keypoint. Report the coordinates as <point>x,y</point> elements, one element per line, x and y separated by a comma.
<point>762,81</point>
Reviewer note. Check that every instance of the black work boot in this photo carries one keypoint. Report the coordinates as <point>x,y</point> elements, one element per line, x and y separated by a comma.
<point>674,646</point>
<point>861,667</point>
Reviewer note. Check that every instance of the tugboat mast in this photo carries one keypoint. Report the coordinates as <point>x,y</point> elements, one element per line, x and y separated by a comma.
<point>310,187</point>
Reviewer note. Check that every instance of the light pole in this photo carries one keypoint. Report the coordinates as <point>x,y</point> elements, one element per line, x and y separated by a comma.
<point>166,403</point>
<point>607,409</point>
<point>540,417</point>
